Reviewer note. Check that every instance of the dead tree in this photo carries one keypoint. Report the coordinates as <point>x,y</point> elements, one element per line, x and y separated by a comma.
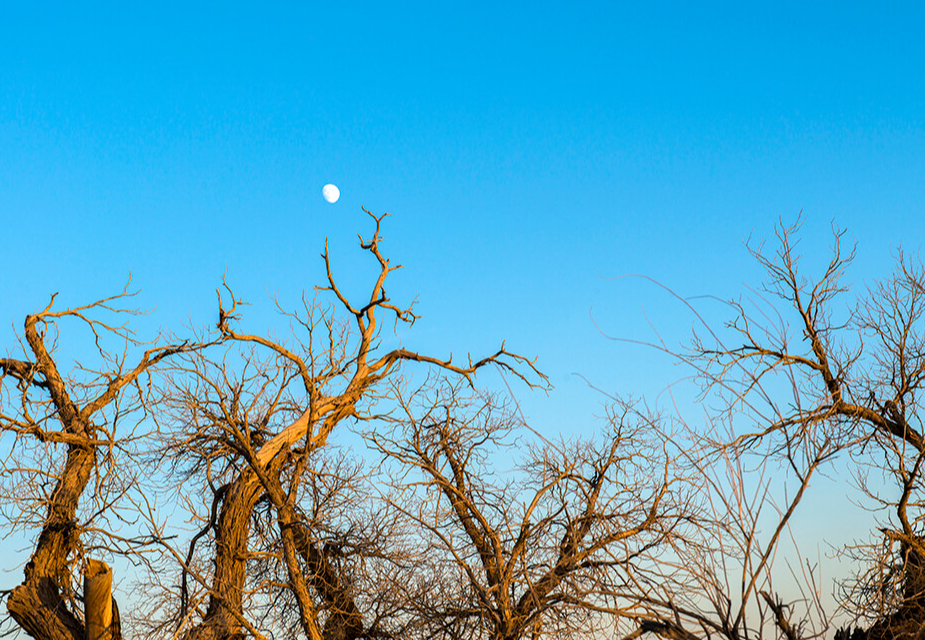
<point>523,537</point>
<point>66,431</point>
<point>807,370</point>
<point>253,435</point>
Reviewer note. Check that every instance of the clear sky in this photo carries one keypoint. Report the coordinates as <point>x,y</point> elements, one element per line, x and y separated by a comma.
<point>527,151</point>
<point>526,155</point>
<point>524,152</point>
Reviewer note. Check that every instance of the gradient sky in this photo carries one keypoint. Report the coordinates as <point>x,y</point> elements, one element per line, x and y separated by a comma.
<point>528,152</point>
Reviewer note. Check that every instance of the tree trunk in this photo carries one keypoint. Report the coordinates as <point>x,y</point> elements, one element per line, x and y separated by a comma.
<point>223,616</point>
<point>38,605</point>
<point>98,609</point>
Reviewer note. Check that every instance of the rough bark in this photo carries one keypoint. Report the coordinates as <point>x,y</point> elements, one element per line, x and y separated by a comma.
<point>226,608</point>
<point>98,603</point>
<point>345,621</point>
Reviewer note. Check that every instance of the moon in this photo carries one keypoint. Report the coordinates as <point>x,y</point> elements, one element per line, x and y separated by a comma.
<point>330,193</point>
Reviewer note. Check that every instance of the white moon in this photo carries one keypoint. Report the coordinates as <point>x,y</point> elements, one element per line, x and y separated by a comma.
<point>331,193</point>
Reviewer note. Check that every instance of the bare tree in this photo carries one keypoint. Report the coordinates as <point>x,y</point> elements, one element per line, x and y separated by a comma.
<point>858,370</point>
<point>67,434</point>
<point>533,544</point>
<point>281,520</point>
<point>806,372</point>
<point>253,431</point>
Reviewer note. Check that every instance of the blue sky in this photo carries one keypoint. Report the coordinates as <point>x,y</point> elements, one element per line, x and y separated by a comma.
<point>524,152</point>
<point>528,152</point>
